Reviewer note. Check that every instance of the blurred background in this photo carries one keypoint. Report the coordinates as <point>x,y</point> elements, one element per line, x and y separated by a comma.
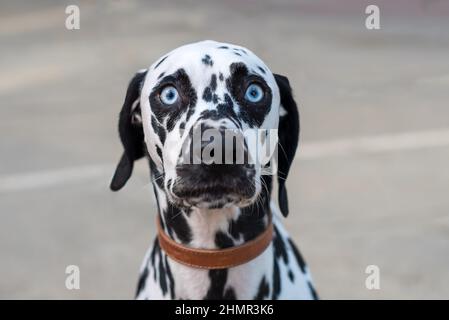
<point>370,185</point>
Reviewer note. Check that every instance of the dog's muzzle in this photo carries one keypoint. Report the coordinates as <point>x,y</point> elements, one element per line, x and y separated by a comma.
<point>217,174</point>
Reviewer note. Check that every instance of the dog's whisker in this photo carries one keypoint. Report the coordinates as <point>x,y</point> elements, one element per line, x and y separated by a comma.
<point>176,215</point>
<point>282,148</point>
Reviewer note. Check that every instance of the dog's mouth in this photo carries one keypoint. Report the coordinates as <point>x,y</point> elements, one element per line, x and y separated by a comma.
<point>214,197</point>
<point>205,190</point>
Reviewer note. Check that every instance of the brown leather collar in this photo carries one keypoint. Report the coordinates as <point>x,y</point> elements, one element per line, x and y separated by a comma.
<point>215,258</point>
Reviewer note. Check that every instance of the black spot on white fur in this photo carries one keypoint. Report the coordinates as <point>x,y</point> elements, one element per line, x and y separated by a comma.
<point>160,62</point>
<point>276,280</point>
<point>291,276</point>
<point>207,94</point>
<point>280,250</point>
<point>312,291</point>
<point>159,152</point>
<point>213,82</point>
<point>263,291</point>
<point>299,259</point>
<point>142,280</point>
<point>171,281</point>
<point>207,60</point>
<point>217,291</point>
<point>223,240</point>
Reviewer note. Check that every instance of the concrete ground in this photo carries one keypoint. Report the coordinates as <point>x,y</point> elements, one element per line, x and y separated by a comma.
<point>370,185</point>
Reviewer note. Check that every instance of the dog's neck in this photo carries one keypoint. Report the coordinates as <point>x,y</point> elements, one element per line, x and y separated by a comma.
<point>213,228</point>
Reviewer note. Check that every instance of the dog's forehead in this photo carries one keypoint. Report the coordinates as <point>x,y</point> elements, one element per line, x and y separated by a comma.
<point>205,57</point>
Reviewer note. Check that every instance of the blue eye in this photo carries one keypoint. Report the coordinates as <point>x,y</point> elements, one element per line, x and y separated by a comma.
<point>254,93</point>
<point>169,95</point>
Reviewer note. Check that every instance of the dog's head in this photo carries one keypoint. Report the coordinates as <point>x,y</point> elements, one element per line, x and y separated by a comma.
<point>204,112</point>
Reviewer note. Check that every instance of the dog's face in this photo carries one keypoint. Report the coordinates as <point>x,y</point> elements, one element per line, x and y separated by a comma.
<point>205,111</point>
<point>213,88</point>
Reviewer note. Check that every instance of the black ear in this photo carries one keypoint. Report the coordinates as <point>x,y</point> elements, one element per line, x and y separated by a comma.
<point>288,133</point>
<point>131,132</point>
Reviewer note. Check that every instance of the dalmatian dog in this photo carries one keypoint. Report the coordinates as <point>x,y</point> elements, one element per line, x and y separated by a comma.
<point>214,85</point>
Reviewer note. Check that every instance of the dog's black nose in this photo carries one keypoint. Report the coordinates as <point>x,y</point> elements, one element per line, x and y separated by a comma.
<point>216,167</point>
<point>217,146</point>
